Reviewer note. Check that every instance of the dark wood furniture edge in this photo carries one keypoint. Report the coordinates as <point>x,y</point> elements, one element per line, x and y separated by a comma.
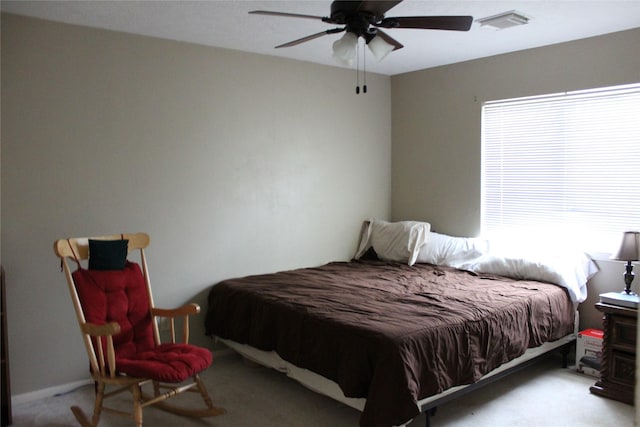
<point>6,384</point>
<point>612,391</point>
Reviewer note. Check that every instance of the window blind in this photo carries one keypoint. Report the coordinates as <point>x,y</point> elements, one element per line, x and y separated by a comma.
<point>563,164</point>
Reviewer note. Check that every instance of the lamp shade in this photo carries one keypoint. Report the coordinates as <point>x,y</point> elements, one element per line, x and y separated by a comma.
<point>380,48</point>
<point>629,247</point>
<point>344,49</point>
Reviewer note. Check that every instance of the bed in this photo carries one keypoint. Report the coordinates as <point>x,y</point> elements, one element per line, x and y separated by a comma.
<point>388,336</point>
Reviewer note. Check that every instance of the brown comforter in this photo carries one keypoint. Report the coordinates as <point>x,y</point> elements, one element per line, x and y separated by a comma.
<point>389,332</point>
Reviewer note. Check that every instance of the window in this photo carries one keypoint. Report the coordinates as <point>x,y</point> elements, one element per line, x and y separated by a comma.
<point>564,165</point>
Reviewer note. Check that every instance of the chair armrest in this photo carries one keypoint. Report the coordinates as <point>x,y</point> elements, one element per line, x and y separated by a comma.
<point>184,312</point>
<point>107,329</point>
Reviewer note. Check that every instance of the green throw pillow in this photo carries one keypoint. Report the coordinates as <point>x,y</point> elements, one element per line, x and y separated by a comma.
<point>107,254</point>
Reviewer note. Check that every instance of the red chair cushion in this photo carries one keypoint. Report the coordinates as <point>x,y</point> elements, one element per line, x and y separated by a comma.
<point>121,296</point>
<point>167,362</point>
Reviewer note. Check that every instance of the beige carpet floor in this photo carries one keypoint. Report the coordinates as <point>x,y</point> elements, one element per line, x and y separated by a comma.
<point>543,395</point>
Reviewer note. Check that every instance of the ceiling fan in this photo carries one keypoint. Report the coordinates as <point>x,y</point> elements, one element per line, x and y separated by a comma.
<point>365,19</point>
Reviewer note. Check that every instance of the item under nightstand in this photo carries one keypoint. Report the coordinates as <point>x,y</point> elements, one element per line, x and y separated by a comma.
<point>589,352</point>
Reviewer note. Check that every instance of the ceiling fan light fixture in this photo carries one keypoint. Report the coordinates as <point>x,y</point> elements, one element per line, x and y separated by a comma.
<point>504,20</point>
<point>344,49</point>
<point>380,48</point>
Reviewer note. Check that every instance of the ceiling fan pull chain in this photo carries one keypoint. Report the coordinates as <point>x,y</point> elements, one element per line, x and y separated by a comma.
<point>357,68</point>
<point>364,70</point>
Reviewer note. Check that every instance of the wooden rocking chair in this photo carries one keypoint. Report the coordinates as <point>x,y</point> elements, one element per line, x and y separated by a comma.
<point>114,306</point>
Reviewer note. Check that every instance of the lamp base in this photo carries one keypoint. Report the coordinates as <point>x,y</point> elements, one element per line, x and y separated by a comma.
<point>628,278</point>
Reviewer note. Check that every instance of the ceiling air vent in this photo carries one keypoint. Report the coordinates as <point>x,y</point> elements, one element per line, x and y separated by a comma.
<point>503,20</point>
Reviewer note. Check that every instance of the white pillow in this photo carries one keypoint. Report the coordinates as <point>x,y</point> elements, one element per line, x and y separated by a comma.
<point>441,249</point>
<point>570,270</point>
<point>393,241</point>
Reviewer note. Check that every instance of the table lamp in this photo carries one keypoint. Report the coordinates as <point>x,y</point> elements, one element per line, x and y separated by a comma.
<point>629,251</point>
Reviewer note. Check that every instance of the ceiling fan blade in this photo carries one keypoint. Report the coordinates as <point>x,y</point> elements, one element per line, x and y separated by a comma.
<point>378,8</point>
<point>455,23</point>
<point>386,37</point>
<point>290,15</point>
<point>311,37</point>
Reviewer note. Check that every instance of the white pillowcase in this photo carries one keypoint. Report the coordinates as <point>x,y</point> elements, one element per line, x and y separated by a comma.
<point>441,249</point>
<point>393,241</point>
<point>570,269</point>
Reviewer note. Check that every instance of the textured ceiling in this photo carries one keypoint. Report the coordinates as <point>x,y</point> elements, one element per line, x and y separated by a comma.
<point>227,24</point>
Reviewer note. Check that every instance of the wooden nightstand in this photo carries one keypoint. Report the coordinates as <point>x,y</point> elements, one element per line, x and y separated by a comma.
<point>618,367</point>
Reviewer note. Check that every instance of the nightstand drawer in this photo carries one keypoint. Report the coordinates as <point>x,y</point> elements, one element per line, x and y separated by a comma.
<point>623,334</point>
<point>622,368</point>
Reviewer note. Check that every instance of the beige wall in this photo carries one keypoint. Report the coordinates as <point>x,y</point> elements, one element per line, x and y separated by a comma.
<point>436,129</point>
<point>234,163</point>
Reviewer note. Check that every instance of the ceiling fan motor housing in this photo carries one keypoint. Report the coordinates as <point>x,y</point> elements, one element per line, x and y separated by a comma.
<point>355,20</point>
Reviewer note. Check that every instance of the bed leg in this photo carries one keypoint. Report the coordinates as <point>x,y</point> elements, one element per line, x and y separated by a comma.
<point>566,349</point>
<point>427,415</point>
